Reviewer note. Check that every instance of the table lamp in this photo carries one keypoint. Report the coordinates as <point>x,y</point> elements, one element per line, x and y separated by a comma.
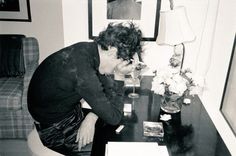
<point>174,29</point>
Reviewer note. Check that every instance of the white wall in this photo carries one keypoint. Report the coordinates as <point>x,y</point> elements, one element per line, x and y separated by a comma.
<point>220,49</point>
<point>46,26</point>
<point>75,17</point>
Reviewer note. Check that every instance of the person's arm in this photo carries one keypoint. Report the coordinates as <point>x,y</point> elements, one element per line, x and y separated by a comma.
<point>109,109</point>
<point>106,99</point>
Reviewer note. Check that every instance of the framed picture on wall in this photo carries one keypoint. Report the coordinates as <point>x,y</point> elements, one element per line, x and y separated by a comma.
<point>15,10</point>
<point>144,13</point>
<point>228,107</point>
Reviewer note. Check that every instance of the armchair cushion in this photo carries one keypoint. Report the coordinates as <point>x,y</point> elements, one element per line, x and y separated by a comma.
<point>15,120</point>
<point>11,90</point>
<point>11,56</point>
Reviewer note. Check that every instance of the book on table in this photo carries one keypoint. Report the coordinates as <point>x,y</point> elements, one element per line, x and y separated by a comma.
<point>135,148</point>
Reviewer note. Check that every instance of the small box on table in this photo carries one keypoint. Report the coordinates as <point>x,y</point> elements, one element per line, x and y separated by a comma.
<point>153,129</point>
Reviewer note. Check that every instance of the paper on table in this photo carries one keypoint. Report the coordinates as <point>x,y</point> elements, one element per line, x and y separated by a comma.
<point>135,148</point>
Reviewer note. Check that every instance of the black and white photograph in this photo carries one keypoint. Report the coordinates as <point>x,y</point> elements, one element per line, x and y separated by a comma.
<point>117,77</point>
<point>9,5</point>
<point>15,10</point>
<point>124,9</point>
<point>145,14</point>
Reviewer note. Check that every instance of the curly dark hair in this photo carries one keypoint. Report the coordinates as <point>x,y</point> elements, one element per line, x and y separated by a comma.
<point>125,37</point>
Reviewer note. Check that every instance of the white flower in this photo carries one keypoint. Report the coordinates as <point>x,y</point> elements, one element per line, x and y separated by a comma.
<point>178,88</point>
<point>158,89</point>
<point>158,80</point>
<point>187,101</point>
<point>179,79</point>
<point>170,80</point>
<point>165,117</point>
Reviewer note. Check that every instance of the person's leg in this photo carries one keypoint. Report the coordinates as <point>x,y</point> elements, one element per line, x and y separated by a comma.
<point>61,136</point>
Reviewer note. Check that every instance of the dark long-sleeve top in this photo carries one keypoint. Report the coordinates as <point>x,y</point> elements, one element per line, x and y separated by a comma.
<point>67,76</point>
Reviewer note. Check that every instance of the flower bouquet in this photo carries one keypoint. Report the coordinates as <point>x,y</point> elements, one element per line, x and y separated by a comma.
<point>174,85</point>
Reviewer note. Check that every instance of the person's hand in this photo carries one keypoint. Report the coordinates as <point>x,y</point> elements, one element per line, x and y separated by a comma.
<point>125,67</point>
<point>86,131</point>
<point>122,69</point>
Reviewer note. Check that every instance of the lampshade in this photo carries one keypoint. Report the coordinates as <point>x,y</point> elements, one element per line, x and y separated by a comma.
<point>174,27</point>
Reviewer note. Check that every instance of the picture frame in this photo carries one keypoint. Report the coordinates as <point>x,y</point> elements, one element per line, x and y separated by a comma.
<point>15,10</point>
<point>227,107</point>
<point>148,21</point>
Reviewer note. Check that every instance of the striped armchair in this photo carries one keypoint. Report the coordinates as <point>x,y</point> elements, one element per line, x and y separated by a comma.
<point>15,120</point>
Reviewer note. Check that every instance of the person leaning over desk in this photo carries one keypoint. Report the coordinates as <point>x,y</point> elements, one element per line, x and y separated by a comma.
<point>82,71</point>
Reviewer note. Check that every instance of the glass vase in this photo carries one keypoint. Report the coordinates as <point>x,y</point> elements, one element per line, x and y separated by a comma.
<point>171,103</point>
